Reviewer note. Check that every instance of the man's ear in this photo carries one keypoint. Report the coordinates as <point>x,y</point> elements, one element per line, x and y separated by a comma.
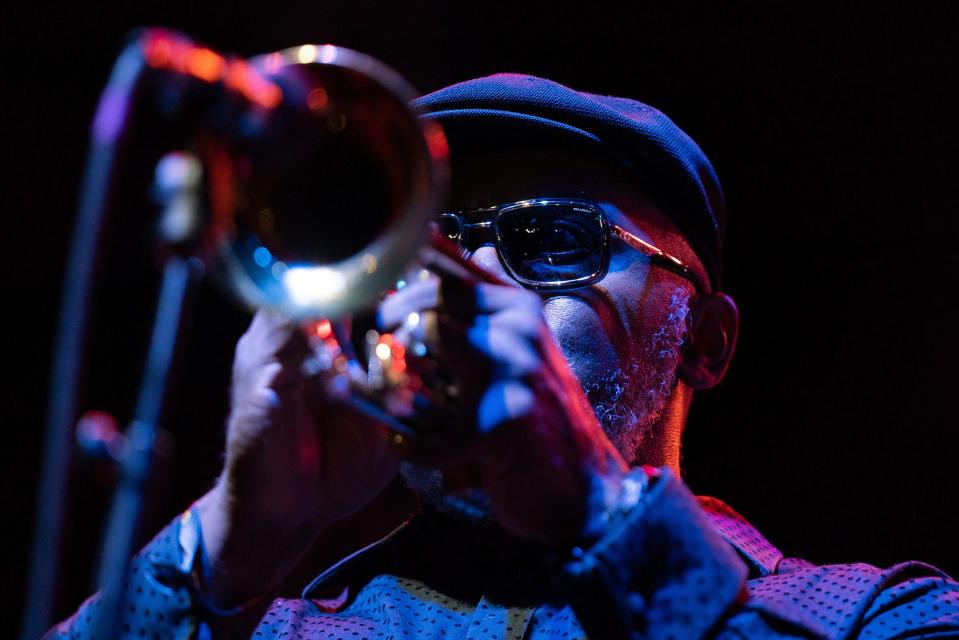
<point>712,328</point>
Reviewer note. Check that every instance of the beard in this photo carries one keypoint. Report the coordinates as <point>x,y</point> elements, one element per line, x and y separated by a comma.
<point>628,402</point>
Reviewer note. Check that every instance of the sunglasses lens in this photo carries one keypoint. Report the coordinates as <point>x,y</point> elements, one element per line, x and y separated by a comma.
<point>552,244</point>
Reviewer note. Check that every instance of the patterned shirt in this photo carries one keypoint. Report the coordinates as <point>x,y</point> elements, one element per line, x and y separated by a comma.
<point>679,567</point>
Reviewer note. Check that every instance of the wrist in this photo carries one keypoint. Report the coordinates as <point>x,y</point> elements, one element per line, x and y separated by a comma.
<point>244,556</point>
<point>196,562</point>
<point>253,499</point>
<point>612,497</point>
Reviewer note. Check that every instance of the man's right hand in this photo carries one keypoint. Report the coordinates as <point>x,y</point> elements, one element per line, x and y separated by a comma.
<point>296,460</point>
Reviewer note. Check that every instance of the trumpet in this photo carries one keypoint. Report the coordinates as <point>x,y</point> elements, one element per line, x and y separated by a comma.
<point>322,187</point>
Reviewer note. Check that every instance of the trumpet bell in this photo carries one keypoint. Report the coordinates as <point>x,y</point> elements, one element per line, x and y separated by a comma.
<point>320,204</point>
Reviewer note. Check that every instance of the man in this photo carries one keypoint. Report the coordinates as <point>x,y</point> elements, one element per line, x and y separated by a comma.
<point>549,479</point>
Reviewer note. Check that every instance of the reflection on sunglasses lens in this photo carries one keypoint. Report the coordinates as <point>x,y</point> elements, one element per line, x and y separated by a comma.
<point>552,244</point>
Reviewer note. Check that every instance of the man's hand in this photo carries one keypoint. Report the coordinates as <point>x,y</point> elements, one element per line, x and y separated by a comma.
<point>296,460</point>
<point>524,427</point>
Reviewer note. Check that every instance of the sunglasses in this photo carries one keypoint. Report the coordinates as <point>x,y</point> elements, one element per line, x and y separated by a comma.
<point>552,244</point>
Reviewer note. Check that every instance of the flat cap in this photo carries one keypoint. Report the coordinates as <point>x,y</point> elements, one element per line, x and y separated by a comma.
<point>674,170</point>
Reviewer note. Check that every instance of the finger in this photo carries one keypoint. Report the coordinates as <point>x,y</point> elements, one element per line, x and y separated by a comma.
<point>504,402</point>
<point>502,405</point>
<point>284,380</point>
<point>467,299</point>
<point>414,297</point>
<point>459,294</point>
<point>273,335</point>
<point>526,322</point>
<point>458,281</point>
<point>467,355</point>
<point>442,436</point>
<point>444,259</point>
<point>455,355</point>
<point>509,353</point>
<point>267,322</point>
<point>507,344</point>
<point>458,297</point>
<point>492,298</point>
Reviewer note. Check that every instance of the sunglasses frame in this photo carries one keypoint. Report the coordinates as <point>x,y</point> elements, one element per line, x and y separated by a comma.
<point>489,224</point>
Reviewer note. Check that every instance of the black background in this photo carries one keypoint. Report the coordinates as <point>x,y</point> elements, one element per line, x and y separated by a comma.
<point>831,125</point>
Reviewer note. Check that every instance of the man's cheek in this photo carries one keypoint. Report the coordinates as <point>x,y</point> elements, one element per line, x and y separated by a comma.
<point>582,337</point>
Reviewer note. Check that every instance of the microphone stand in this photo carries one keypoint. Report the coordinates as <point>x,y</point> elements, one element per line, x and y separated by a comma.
<point>109,134</point>
<point>109,131</point>
<point>178,188</point>
<point>148,53</point>
<point>179,277</point>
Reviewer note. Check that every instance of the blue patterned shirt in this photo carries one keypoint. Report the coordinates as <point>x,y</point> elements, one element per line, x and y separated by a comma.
<point>680,567</point>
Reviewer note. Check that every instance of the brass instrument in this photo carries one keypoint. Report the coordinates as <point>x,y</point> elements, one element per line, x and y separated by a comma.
<point>321,194</point>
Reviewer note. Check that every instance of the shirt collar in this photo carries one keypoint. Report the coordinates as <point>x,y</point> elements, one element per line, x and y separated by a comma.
<point>379,556</point>
<point>755,549</point>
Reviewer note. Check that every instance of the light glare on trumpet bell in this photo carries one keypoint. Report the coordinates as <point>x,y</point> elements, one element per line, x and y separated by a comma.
<point>326,54</point>
<point>308,286</point>
<point>306,54</point>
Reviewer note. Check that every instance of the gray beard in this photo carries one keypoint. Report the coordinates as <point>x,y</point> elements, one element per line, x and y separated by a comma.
<point>628,402</point>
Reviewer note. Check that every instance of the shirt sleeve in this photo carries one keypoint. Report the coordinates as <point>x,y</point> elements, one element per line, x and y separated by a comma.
<point>158,601</point>
<point>663,571</point>
<point>914,602</point>
<point>907,600</point>
<point>659,571</point>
